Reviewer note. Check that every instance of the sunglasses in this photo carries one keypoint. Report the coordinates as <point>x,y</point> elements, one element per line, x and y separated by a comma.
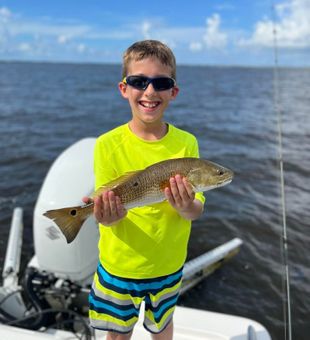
<point>142,82</point>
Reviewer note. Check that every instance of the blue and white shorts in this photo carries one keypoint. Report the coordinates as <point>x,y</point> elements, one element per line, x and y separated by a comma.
<point>114,302</point>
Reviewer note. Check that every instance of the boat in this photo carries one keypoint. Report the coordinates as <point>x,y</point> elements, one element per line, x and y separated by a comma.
<point>49,300</point>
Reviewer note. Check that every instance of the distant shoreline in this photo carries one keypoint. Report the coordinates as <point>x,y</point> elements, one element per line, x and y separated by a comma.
<point>64,62</point>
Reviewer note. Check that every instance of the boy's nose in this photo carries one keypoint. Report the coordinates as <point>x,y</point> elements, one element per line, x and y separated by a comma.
<point>149,89</point>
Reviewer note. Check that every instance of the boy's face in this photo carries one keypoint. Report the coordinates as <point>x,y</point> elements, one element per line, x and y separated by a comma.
<point>148,106</point>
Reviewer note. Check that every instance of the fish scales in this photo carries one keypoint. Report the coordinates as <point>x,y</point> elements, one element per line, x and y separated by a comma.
<point>148,185</point>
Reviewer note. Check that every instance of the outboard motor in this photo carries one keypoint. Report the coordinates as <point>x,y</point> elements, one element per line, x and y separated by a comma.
<point>69,179</point>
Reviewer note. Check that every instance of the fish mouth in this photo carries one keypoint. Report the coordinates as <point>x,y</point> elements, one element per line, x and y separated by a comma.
<point>226,179</point>
<point>224,182</point>
<point>214,185</point>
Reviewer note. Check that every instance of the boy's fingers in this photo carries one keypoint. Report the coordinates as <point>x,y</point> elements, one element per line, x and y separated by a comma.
<point>169,196</point>
<point>105,210</point>
<point>87,200</point>
<point>97,208</point>
<point>181,187</point>
<point>120,210</point>
<point>185,189</point>
<point>112,203</point>
<point>174,189</point>
<point>189,189</point>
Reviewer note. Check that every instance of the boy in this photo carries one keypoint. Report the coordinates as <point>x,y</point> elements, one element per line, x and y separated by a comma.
<point>142,251</point>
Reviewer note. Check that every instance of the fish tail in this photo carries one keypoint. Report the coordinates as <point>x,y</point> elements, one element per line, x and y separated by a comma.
<point>69,220</point>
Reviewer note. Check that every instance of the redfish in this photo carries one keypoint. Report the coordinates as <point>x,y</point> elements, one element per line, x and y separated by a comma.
<point>144,187</point>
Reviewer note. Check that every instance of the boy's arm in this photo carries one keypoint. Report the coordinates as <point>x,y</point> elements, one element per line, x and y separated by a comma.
<point>182,197</point>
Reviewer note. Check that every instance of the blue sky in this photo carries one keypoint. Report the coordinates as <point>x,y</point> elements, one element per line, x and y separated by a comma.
<point>214,32</point>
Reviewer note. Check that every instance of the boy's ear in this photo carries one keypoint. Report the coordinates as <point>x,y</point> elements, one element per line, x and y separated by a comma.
<point>174,92</point>
<point>123,89</point>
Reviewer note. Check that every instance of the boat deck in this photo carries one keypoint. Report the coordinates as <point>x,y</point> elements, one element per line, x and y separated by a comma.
<point>189,324</point>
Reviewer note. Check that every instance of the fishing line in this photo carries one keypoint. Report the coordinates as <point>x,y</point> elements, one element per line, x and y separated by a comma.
<point>284,243</point>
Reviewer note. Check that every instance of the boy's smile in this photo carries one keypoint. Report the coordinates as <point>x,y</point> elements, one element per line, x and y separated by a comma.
<point>148,106</point>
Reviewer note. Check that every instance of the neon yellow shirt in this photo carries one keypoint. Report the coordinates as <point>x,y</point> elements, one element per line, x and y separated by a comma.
<point>150,241</point>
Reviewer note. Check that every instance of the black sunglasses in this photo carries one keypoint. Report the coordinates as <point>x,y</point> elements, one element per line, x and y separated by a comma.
<point>142,82</point>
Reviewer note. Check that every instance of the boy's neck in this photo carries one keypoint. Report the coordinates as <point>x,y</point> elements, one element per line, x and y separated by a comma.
<point>148,131</point>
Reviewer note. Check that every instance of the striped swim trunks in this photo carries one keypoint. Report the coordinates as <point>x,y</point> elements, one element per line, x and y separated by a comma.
<point>114,302</point>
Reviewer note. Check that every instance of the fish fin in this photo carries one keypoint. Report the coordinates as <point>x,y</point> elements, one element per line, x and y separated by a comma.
<point>69,220</point>
<point>115,182</point>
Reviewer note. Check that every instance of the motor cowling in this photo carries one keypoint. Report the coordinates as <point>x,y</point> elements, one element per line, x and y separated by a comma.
<point>70,178</point>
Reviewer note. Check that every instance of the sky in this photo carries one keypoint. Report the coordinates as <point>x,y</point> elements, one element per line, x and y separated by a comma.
<point>203,32</point>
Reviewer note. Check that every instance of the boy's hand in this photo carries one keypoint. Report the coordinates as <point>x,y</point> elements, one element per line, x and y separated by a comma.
<point>182,197</point>
<point>108,208</point>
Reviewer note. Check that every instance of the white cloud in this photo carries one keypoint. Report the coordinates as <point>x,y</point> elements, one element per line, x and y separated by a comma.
<point>81,48</point>
<point>292,27</point>
<point>209,37</point>
<point>24,47</point>
<point>41,38</point>
<point>214,37</point>
<point>62,39</point>
<point>47,29</point>
<point>156,28</point>
<point>52,33</point>
<point>16,25</point>
<point>5,13</point>
<point>195,46</point>
<point>146,26</point>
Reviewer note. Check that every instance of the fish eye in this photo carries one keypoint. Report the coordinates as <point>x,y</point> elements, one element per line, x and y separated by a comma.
<point>221,172</point>
<point>73,212</point>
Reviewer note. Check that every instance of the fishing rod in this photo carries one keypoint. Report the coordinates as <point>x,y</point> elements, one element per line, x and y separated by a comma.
<point>284,238</point>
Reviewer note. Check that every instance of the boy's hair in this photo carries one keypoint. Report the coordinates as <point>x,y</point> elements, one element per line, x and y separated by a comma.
<point>149,49</point>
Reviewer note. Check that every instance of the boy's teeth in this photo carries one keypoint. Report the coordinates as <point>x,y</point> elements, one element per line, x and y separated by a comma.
<point>149,105</point>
